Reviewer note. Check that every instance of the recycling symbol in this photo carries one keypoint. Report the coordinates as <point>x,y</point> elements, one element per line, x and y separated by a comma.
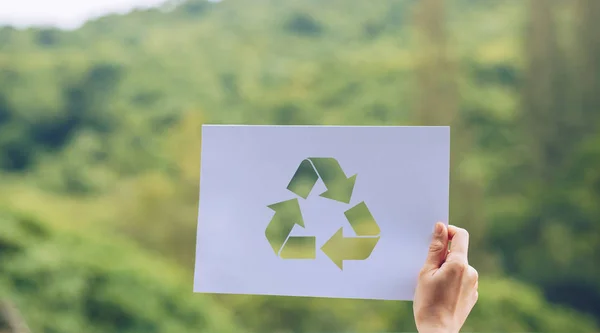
<point>339,188</point>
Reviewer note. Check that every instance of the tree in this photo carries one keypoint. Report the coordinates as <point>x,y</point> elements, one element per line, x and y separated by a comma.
<point>438,104</point>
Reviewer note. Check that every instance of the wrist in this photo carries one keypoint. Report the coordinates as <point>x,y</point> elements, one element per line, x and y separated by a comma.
<point>435,329</point>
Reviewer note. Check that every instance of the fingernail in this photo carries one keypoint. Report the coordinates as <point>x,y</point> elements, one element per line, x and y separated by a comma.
<point>438,229</point>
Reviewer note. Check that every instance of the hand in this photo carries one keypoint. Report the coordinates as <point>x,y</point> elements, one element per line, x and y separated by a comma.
<point>447,286</point>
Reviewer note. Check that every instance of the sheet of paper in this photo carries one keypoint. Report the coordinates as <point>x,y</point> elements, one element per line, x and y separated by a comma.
<point>319,211</point>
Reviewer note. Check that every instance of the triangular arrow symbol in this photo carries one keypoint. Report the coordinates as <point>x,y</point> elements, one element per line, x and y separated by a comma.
<point>339,188</point>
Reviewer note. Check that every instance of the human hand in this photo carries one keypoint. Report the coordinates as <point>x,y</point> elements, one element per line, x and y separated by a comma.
<point>447,286</point>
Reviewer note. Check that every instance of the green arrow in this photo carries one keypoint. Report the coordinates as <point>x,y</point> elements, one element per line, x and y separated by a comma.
<point>339,248</point>
<point>339,187</point>
<point>304,179</point>
<point>287,214</point>
<point>299,247</point>
<point>362,221</point>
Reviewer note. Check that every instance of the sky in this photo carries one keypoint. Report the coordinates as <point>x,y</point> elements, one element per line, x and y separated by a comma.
<point>66,14</point>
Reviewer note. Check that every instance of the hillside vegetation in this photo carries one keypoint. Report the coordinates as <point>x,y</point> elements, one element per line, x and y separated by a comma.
<point>100,151</point>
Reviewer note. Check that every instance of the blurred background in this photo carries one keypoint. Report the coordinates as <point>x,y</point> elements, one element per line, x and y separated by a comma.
<point>100,149</point>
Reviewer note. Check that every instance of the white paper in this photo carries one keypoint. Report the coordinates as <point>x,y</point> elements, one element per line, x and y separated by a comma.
<point>402,176</point>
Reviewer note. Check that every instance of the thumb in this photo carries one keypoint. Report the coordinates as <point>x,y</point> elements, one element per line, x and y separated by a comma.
<point>438,248</point>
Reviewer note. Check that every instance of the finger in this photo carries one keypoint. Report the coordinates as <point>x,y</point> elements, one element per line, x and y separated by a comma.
<point>437,248</point>
<point>474,299</point>
<point>459,244</point>
<point>471,279</point>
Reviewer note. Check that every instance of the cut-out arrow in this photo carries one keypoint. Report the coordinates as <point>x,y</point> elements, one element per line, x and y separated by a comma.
<point>362,220</point>
<point>299,247</point>
<point>287,214</point>
<point>339,248</point>
<point>339,187</point>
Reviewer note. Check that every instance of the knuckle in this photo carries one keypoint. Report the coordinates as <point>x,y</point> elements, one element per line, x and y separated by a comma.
<point>457,267</point>
<point>473,274</point>
<point>436,246</point>
<point>424,273</point>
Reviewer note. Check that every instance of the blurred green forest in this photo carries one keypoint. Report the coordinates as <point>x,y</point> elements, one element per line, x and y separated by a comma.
<point>100,152</point>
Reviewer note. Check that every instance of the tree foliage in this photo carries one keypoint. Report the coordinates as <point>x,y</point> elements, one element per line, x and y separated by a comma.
<point>100,134</point>
<point>66,282</point>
